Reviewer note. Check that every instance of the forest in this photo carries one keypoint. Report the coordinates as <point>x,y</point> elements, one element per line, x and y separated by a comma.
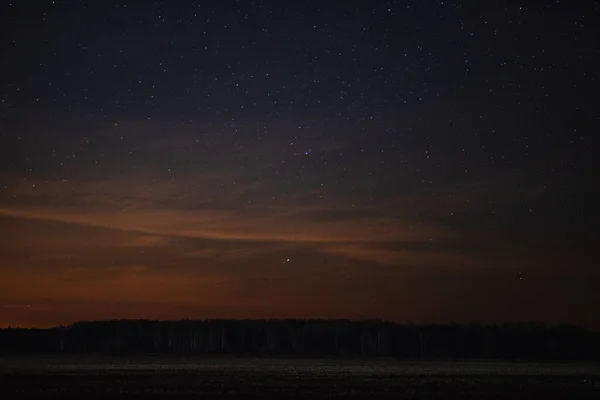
<point>308,338</point>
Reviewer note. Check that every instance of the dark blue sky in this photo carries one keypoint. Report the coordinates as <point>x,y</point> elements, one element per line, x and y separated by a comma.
<point>425,161</point>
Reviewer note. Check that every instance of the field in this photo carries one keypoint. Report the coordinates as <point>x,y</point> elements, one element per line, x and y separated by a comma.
<point>161,377</point>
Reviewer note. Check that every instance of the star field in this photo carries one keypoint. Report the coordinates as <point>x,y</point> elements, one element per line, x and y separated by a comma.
<point>427,161</point>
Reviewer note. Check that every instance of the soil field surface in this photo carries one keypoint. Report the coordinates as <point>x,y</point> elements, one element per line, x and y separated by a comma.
<point>246,378</point>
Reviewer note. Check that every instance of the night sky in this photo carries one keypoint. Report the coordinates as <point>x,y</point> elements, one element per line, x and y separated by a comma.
<point>419,161</point>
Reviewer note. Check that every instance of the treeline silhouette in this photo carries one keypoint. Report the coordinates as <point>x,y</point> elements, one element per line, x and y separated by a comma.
<point>308,338</point>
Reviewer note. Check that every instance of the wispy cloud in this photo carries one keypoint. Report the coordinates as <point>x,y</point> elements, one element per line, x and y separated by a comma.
<point>198,206</point>
<point>408,258</point>
<point>147,241</point>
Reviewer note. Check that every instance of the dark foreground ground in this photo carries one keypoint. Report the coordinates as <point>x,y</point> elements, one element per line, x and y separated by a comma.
<point>148,377</point>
